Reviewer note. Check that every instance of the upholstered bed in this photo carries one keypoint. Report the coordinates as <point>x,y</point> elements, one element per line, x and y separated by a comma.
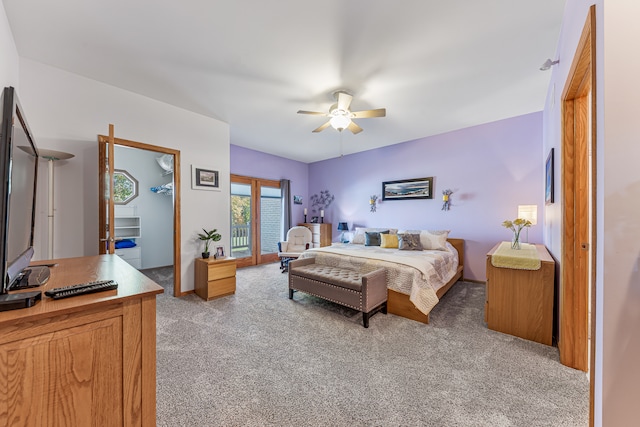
<point>416,279</point>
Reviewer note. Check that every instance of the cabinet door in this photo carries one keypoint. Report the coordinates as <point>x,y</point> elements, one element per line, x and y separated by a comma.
<point>65,377</point>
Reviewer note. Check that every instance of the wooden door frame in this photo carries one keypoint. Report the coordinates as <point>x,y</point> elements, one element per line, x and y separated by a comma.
<point>256,256</point>
<point>177,257</point>
<point>577,113</point>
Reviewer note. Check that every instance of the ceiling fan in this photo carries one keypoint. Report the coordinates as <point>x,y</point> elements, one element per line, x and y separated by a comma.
<point>341,116</point>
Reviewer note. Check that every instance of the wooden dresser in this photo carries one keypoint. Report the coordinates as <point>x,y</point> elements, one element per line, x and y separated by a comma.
<point>215,278</point>
<point>84,360</point>
<point>321,234</point>
<point>520,302</point>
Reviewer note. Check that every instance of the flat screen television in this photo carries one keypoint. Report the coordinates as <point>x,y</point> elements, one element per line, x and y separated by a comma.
<point>19,172</point>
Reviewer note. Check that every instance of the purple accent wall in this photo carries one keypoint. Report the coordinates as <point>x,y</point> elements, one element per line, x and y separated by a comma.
<point>257,164</point>
<point>491,168</point>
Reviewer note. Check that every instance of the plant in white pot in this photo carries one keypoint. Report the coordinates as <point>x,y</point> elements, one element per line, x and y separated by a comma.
<point>208,237</point>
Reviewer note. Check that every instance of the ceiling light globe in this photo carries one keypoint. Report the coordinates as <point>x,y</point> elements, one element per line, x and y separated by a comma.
<point>340,122</point>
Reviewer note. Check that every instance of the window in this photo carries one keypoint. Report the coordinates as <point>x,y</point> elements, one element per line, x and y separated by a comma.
<point>125,187</point>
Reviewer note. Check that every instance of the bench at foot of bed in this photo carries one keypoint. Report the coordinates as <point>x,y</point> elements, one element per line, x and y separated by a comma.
<point>363,292</point>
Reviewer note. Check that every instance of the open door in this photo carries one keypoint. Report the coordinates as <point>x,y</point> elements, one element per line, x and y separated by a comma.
<point>106,241</point>
<point>106,170</point>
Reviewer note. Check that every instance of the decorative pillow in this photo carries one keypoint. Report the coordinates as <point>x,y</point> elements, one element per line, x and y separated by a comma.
<point>372,238</point>
<point>409,242</point>
<point>358,236</point>
<point>389,241</point>
<point>435,240</point>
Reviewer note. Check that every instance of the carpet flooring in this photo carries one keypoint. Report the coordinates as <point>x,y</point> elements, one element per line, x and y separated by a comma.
<point>257,358</point>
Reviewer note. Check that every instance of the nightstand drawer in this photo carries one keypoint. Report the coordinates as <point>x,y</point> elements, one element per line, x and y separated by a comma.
<point>222,287</point>
<point>222,271</point>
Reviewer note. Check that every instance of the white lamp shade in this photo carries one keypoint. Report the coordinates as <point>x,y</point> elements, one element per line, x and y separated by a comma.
<point>529,212</point>
<point>340,122</point>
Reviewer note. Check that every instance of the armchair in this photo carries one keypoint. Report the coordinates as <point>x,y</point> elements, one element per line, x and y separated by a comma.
<point>298,240</point>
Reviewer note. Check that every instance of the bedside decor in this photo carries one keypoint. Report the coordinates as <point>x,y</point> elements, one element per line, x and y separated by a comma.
<point>342,226</point>
<point>446,199</point>
<point>297,200</point>
<point>516,226</point>
<point>407,189</point>
<point>372,202</point>
<point>208,237</point>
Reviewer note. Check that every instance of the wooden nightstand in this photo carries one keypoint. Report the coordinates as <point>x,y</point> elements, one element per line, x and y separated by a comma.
<point>520,302</point>
<point>215,278</point>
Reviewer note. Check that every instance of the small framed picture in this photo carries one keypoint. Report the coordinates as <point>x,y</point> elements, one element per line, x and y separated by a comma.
<point>548,179</point>
<point>314,220</point>
<point>219,252</point>
<point>297,200</point>
<point>204,179</point>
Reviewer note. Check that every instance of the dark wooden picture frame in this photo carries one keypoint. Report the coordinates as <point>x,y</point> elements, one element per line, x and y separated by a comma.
<point>548,179</point>
<point>204,179</point>
<point>407,189</point>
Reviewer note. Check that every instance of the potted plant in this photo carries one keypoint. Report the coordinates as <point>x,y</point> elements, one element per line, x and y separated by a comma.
<point>208,237</point>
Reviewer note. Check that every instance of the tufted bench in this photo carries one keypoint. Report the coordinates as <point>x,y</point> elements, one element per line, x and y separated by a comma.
<point>364,292</point>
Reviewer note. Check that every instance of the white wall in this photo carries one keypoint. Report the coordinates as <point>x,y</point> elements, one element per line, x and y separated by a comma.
<point>67,112</point>
<point>8,53</point>
<point>155,210</point>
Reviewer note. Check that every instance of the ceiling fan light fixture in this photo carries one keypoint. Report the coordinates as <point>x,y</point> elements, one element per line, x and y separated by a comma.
<point>340,122</point>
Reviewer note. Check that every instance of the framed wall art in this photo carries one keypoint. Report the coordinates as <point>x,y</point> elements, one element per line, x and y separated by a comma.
<point>548,179</point>
<point>407,189</point>
<point>204,178</point>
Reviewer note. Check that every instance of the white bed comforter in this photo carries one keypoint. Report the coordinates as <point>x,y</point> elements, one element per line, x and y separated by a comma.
<point>418,274</point>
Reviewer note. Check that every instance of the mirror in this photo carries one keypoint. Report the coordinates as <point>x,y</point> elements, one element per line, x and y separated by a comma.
<point>125,187</point>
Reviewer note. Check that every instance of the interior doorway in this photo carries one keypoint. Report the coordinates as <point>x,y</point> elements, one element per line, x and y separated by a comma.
<point>106,169</point>
<point>256,220</point>
<point>576,341</point>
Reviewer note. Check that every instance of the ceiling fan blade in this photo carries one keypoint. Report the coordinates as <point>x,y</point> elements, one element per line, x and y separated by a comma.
<point>315,113</point>
<point>354,128</point>
<point>344,101</point>
<point>323,127</point>
<point>366,114</point>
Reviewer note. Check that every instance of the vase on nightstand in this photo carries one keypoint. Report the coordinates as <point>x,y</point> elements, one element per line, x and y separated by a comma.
<point>515,242</point>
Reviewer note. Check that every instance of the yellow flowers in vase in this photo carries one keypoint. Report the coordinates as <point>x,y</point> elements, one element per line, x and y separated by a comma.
<point>516,226</point>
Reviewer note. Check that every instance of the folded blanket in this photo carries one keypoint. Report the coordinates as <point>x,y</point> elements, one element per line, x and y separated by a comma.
<point>526,258</point>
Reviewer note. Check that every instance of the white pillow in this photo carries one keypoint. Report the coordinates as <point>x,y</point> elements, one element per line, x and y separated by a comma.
<point>433,240</point>
<point>358,236</point>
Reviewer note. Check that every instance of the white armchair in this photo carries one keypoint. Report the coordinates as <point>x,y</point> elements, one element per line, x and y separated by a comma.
<point>298,240</point>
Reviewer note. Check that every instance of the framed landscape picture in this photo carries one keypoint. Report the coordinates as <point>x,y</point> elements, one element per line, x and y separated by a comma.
<point>406,189</point>
<point>548,179</point>
<point>204,179</point>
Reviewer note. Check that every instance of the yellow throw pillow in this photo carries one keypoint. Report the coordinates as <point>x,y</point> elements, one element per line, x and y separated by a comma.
<point>389,241</point>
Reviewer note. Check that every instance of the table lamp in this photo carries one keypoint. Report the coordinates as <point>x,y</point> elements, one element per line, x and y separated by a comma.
<point>342,226</point>
<point>529,212</point>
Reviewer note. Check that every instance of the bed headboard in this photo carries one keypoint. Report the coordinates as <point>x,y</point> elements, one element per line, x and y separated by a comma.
<point>459,245</point>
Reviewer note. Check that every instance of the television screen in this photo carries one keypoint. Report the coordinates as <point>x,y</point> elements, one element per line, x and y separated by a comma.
<point>18,168</point>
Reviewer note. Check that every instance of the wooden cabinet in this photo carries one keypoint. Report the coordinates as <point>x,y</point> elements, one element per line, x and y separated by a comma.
<point>88,360</point>
<point>321,234</point>
<point>215,278</point>
<point>520,302</point>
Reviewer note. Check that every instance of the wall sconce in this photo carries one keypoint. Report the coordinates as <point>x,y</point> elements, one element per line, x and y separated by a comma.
<point>372,202</point>
<point>528,212</point>
<point>446,199</point>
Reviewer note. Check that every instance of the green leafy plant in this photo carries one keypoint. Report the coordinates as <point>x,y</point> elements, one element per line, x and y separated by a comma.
<point>208,237</point>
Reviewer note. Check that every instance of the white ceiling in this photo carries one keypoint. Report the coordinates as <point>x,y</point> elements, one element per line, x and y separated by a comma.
<point>435,65</point>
